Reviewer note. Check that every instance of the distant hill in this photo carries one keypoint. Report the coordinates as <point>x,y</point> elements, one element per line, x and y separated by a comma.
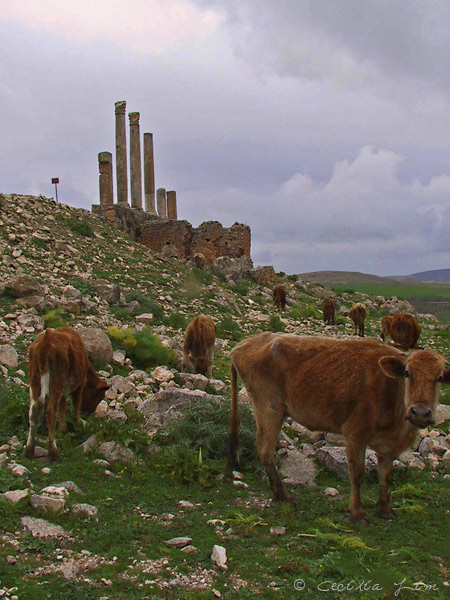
<point>438,275</point>
<point>329,278</point>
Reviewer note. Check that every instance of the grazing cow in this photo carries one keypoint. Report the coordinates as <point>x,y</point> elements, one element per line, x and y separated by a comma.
<point>358,315</point>
<point>198,350</point>
<point>59,365</point>
<point>405,331</point>
<point>199,260</point>
<point>279,297</point>
<point>329,307</point>
<point>386,327</point>
<point>372,393</point>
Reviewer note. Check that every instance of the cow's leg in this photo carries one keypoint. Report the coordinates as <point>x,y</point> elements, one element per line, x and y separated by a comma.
<point>356,468</point>
<point>62,414</point>
<point>52,414</point>
<point>210,356</point>
<point>385,468</point>
<point>269,427</point>
<point>77,398</point>
<point>33,417</point>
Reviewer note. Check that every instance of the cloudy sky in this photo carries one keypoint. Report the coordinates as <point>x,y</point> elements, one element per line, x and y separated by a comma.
<point>322,124</point>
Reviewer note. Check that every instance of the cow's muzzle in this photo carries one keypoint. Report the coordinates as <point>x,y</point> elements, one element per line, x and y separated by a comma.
<point>420,415</point>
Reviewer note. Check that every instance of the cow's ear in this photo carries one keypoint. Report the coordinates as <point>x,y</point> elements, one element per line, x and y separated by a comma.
<point>393,366</point>
<point>102,385</point>
<point>446,377</point>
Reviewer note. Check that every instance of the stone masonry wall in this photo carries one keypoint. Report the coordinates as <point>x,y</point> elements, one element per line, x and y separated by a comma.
<point>210,238</point>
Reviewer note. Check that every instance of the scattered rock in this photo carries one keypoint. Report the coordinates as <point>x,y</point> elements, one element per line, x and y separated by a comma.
<point>42,529</point>
<point>278,530</point>
<point>15,496</point>
<point>115,452</point>
<point>47,503</point>
<point>297,467</point>
<point>219,557</point>
<point>178,542</point>
<point>9,356</point>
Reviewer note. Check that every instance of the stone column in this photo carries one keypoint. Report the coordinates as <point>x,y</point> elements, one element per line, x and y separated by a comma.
<point>149,174</point>
<point>172,205</point>
<point>105,178</point>
<point>121,154</point>
<point>135,161</point>
<point>161,202</point>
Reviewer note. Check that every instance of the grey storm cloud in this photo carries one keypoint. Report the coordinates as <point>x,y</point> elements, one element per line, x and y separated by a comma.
<point>322,125</point>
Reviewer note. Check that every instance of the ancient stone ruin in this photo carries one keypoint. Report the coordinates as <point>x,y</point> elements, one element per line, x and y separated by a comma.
<point>155,223</point>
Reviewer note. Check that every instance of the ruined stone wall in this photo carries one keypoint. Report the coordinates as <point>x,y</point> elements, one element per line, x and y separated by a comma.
<point>210,238</point>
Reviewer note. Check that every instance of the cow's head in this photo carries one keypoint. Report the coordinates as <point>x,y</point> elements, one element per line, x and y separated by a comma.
<point>202,364</point>
<point>423,372</point>
<point>93,395</point>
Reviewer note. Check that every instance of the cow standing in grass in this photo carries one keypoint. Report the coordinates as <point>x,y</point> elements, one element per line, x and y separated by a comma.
<point>279,297</point>
<point>198,349</point>
<point>59,365</point>
<point>329,308</point>
<point>199,260</point>
<point>386,328</point>
<point>368,391</point>
<point>358,315</point>
<point>405,331</point>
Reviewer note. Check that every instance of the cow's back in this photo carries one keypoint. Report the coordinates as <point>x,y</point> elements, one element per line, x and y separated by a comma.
<point>200,335</point>
<point>405,330</point>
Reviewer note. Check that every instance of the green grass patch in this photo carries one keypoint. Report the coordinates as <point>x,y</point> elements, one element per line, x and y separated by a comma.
<point>143,347</point>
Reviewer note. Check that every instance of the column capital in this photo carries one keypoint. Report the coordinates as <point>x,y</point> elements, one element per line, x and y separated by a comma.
<point>120,107</point>
<point>134,118</point>
<point>105,157</point>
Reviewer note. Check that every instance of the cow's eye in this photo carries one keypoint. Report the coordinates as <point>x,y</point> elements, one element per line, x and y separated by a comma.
<point>406,374</point>
<point>440,379</point>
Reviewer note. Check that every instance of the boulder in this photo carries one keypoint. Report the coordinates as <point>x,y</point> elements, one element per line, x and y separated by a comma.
<point>98,345</point>
<point>24,285</point>
<point>9,356</point>
<point>114,452</point>
<point>264,275</point>
<point>298,468</point>
<point>108,292</point>
<point>42,529</point>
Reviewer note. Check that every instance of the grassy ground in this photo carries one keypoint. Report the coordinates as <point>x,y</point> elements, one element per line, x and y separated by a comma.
<point>139,511</point>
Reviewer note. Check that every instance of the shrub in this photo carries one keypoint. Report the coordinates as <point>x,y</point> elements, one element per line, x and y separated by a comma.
<point>275,324</point>
<point>297,312</point>
<point>227,328</point>
<point>86,288</point>
<point>54,319</point>
<point>143,347</point>
<point>176,321</point>
<point>186,466</point>
<point>80,227</point>
<point>205,425</point>
<point>292,278</point>
<point>241,288</point>
<point>147,304</point>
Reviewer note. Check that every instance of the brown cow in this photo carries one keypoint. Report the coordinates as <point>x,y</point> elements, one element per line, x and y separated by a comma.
<point>198,349</point>
<point>279,297</point>
<point>405,331</point>
<point>358,315</point>
<point>199,260</point>
<point>372,393</point>
<point>59,365</point>
<point>386,327</point>
<point>329,307</point>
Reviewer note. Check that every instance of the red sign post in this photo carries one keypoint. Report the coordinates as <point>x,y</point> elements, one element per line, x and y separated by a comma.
<point>55,180</point>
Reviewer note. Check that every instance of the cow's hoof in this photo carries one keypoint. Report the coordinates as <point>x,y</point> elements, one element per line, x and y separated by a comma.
<point>53,456</point>
<point>360,518</point>
<point>386,514</point>
<point>29,452</point>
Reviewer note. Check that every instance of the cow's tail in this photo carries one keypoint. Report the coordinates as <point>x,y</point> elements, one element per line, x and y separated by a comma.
<point>235,421</point>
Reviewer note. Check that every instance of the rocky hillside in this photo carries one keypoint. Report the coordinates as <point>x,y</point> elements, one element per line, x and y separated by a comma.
<point>159,433</point>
